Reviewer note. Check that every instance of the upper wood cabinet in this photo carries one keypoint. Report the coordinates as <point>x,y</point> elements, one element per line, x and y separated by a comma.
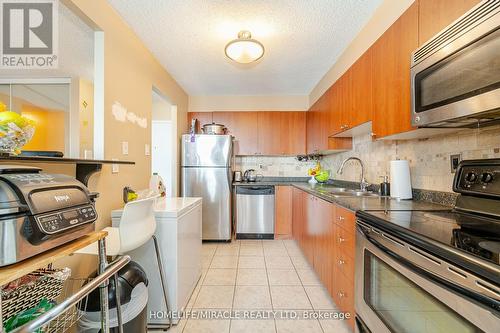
<point>281,133</point>
<point>320,119</point>
<point>261,132</point>
<point>202,117</point>
<point>360,98</point>
<point>293,132</point>
<point>244,127</point>
<point>351,96</point>
<point>391,75</point>
<point>337,105</point>
<point>435,15</point>
<point>313,133</point>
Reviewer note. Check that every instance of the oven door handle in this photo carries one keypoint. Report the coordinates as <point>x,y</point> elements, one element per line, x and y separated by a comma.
<point>482,300</point>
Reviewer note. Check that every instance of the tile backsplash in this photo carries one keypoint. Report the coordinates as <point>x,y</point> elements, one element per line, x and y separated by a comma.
<point>273,166</point>
<point>429,158</point>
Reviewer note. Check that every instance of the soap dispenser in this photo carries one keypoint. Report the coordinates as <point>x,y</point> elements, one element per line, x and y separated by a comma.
<point>385,187</point>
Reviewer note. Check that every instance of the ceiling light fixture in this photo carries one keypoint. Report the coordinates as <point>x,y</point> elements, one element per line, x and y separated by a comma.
<point>244,49</point>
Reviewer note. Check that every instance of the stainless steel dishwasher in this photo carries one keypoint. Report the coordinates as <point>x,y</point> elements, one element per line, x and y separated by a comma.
<point>255,212</point>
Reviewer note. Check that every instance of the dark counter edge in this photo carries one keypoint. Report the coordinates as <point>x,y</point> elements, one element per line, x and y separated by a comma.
<point>305,186</point>
<point>470,263</point>
<point>61,160</point>
<point>84,168</point>
<point>428,196</point>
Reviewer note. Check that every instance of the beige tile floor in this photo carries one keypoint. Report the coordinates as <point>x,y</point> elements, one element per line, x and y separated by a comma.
<point>253,275</point>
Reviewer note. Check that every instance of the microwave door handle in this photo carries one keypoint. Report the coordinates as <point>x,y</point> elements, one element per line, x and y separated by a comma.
<point>479,299</point>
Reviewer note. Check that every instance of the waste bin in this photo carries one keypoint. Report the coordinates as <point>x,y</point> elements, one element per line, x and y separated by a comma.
<point>133,282</point>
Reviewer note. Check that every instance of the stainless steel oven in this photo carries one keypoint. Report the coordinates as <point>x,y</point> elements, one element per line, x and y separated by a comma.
<point>455,76</point>
<point>401,288</point>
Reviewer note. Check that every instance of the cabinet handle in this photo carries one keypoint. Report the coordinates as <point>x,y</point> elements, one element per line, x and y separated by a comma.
<point>341,262</point>
<point>341,218</point>
<point>341,294</point>
<point>341,239</point>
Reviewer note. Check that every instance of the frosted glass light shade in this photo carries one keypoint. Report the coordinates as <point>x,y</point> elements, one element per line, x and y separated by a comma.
<point>244,50</point>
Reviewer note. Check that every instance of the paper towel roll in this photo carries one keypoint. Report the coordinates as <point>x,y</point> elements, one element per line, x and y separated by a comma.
<point>400,180</point>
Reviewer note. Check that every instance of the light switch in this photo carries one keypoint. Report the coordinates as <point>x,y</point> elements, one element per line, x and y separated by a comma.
<point>147,150</point>
<point>125,147</point>
<point>115,168</point>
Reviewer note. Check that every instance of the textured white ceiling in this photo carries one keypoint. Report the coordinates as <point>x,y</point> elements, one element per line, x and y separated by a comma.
<point>303,39</point>
<point>76,45</point>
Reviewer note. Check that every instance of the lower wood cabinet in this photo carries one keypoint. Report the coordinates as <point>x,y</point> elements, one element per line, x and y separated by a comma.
<point>323,245</point>
<point>283,212</point>
<point>326,234</point>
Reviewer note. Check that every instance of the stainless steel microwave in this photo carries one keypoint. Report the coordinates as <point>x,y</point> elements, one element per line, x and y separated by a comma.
<point>455,76</point>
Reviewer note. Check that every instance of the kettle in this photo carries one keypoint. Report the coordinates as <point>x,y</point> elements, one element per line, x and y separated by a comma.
<point>250,175</point>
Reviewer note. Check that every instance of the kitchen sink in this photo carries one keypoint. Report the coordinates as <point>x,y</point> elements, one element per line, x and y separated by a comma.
<point>342,192</point>
<point>346,192</point>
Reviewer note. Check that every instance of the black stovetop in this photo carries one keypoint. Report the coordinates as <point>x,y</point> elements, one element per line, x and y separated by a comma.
<point>476,235</point>
<point>469,235</point>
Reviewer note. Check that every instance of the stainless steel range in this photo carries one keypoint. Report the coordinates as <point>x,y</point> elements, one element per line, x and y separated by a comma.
<point>39,211</point>
<point>419,271</point>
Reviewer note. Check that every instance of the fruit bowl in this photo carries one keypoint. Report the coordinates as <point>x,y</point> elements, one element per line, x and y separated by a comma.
<point>322,176</point>
<point>15,132</point>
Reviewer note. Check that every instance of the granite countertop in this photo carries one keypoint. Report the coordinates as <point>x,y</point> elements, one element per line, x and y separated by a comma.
<point>267,183</point>
<point>376,203</point>
<point>272,181</point>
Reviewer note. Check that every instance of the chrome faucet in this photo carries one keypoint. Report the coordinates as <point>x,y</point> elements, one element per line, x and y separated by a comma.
<point>364,184</point>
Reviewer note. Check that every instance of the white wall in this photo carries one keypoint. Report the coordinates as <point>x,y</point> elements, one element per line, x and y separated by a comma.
<point>161,108</point>
<point>162,152</point>
<point>248,103</point>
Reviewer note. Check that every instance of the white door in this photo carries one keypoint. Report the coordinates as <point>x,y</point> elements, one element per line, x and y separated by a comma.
<point>162,152</point>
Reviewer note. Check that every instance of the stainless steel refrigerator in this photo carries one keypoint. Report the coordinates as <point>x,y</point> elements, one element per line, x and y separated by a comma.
<point>206,172</point>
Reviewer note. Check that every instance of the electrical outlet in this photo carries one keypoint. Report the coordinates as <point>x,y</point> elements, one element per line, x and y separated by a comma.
<point>125,147</point>
<point>454,161</point>
<point>115,168</point>
<point>147,150</point>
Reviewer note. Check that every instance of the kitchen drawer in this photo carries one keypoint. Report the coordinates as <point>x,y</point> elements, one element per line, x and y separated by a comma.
<point>345,296</point>
<point>344,264</point>
<point>345,242</point>
<point>345,219</point>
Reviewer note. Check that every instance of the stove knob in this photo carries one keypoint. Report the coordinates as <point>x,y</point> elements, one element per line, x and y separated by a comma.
<point>486,177</point>
<point>470,177</point>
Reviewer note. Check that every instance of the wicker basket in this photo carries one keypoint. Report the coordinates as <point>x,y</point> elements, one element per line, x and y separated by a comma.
<point>48,285</point>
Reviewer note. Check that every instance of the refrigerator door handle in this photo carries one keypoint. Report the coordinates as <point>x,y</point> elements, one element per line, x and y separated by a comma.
<point>230,163</point>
